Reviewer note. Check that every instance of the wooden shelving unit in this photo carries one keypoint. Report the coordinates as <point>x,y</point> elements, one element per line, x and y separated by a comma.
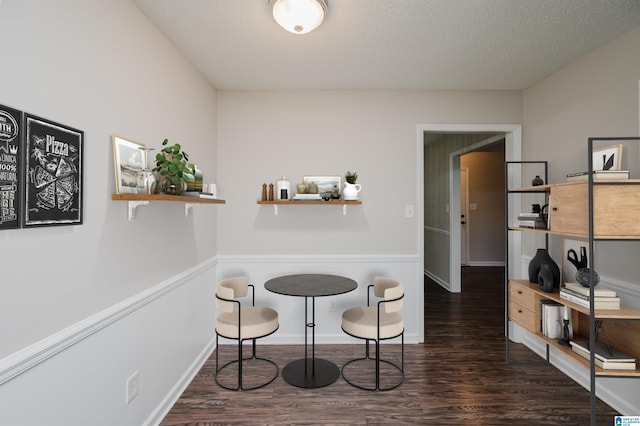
<point>135,200</point>
<point>343,203</point>
<point>525,310</point>
<point>593,210</point>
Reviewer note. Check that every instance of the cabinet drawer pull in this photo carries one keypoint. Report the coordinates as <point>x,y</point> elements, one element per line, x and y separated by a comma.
<point>519,311</point>
<point>519,291</point>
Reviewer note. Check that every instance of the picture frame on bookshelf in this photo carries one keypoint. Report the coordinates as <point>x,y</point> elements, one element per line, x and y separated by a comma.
<point>573,253</point>
<point>609,158</point>
<point>128,161</point>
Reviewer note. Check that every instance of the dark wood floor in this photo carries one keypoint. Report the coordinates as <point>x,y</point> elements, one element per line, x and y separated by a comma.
<point>457,377</point>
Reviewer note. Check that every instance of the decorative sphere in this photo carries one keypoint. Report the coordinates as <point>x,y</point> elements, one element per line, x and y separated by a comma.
<point>582,276</point>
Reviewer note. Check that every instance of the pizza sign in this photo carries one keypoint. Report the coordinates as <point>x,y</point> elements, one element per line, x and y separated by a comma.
<point>53,174</point>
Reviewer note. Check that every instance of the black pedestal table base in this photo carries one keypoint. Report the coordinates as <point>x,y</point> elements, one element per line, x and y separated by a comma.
<point>326,372</point>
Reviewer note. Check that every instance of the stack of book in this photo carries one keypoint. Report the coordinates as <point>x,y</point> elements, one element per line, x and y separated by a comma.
<point>531,220</point>
<point>199,194</point>
<point>307,197</point>
<point>599,175</point>
<point>551,319</point>
<point>605,356</point>
<point>603,298</point>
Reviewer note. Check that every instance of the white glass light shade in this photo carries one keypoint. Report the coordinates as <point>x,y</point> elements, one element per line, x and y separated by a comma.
<point>298,16</point>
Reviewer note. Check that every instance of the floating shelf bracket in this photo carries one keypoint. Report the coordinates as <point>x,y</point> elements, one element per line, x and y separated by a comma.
<point>132,207</point>
<point>188,206</point>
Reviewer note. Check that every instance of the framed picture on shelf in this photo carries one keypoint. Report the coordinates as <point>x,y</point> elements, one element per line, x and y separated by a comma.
<point>575,253</point>
<point>327,185</point>
<point>128,161</point>
<point>609,158</point>
<point>53,173</point>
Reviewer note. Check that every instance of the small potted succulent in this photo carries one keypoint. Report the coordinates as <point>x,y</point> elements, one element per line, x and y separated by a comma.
<point>351,188</point>
<point>172,166</point>
<point>351,177</point>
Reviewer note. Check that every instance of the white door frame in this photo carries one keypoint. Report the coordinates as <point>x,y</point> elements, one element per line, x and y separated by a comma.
<point>513,152</point>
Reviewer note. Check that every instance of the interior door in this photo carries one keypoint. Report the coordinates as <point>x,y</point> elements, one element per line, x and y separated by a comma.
<point>464,215</point>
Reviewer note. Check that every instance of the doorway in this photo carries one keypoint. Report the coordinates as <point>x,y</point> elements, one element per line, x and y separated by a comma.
<point>448,252</point>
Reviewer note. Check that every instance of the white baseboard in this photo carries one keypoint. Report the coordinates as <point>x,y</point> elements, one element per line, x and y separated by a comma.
<point>178,389</point>
<point>444,284</point>
<point>485,263</point>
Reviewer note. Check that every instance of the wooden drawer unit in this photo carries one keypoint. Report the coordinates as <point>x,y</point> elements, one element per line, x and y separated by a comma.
<point>523,306</point>
<point>615,209</point>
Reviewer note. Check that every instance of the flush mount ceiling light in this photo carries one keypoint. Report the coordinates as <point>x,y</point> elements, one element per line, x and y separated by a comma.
<point>298,16</point>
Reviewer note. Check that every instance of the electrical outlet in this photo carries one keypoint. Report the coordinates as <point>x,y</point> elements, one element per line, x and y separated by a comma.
<point>409,211</point>
<point>332,304</point>
<point>132,387</point>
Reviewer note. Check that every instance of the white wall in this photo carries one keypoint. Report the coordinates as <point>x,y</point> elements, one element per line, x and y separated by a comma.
<point>265,135</point>
<point>97,301</point>
<point>593,96</point>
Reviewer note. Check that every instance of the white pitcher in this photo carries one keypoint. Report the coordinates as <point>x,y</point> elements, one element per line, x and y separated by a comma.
<point>350,191</point>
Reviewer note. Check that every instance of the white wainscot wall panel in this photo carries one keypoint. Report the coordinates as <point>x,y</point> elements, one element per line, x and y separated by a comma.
<point>78,376</point>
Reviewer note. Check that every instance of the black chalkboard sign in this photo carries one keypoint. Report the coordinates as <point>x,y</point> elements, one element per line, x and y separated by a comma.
<point>11,160</point>
<point>53,173</point>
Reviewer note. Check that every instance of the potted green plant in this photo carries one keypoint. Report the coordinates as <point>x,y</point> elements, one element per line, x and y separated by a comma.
<point>351,188</point>
<point>172,164</point>
<point>351,177</point>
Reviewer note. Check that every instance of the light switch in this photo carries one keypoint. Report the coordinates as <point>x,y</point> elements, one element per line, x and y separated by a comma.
<point>409,211</point>
<point>473,206</point>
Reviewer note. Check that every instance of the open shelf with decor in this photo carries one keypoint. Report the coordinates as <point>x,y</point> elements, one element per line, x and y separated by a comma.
<point>592,209</point>
<point>525,309</point>
<point>135,200</point>
<point>343,203</point>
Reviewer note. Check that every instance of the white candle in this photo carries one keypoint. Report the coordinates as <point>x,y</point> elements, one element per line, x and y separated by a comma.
<point>567,312</point>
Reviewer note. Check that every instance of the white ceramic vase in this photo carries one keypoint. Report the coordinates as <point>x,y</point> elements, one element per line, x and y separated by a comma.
<point>351,191</point>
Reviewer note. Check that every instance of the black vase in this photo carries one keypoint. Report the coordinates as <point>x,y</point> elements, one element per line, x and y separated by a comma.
<point>542,257</point>
<point>537,181</point>
<point>545,278</point>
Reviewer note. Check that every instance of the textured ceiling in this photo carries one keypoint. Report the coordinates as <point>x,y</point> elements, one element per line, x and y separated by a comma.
<point>391,44</point>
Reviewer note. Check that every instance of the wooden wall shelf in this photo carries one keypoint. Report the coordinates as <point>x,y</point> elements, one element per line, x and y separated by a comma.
<point>135,200</point>
<point>343,203</point>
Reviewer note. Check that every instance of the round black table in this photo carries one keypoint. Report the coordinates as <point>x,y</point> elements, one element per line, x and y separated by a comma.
<point>310,372</point>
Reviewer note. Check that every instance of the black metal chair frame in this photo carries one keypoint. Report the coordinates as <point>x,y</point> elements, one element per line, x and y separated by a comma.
<point>377,359</point>
<point>240,345</point>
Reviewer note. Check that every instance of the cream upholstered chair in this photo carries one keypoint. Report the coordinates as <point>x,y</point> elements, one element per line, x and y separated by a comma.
<point>374,324</point>
<point>242,323</point>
